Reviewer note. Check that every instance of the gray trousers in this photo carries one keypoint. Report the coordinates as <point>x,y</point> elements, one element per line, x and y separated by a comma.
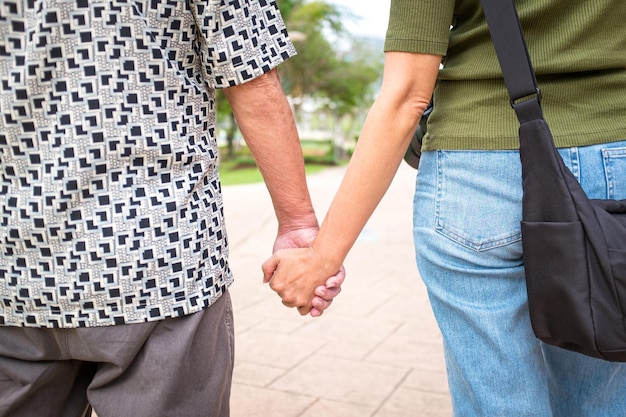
<point>174,367</point>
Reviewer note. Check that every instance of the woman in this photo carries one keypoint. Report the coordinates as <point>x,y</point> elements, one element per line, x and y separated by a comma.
<point>468,191</point>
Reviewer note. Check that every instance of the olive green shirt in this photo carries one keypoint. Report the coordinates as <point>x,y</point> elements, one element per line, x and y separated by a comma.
<point>578,49</point>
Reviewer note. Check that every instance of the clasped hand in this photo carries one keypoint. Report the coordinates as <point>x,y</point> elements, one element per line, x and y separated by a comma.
<point>299,276</point>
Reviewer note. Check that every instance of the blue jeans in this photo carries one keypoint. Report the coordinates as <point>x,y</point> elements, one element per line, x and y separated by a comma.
<point>468,248</point>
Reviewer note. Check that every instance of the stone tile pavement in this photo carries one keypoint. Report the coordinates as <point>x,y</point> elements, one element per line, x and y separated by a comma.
<point>375,353</point>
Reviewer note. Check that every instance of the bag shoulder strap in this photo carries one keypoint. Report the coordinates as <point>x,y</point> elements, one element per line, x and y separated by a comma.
<point>510,45</point>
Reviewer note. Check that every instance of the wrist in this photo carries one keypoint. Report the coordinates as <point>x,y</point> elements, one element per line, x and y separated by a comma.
<point>329,252</point>
<point>303,220</point>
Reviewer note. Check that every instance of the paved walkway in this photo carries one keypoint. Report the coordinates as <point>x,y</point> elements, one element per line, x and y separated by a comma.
<point>375,353</point>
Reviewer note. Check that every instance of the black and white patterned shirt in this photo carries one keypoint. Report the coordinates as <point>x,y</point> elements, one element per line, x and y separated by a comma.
<point>110,202</point>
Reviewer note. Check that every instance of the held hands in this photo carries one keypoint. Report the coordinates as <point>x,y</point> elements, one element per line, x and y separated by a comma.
<point>298,275</point>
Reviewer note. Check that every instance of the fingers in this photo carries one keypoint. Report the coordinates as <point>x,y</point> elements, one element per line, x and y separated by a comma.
<point>336,280</point>
<point>315,308</point>
<point>293,298</point>
<point>294,274</point>
<point>268,268</point>
<point>332,287</point>
<point>322,299</point>
<point>326,293</point>
<point>320,304</point>
<point>315,312</point>
<point>304,310</point>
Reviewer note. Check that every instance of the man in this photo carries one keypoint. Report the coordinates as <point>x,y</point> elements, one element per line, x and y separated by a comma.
<point>114,270</point>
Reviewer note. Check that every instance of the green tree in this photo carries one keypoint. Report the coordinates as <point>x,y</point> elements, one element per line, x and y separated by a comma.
<point>330,67</point>
<point>286,6</point>
<point>330,64</point>
<point>310,25</point>
<point>350,88</point>
<point>226,121</point>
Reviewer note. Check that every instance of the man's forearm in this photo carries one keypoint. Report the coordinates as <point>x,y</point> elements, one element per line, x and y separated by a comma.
<point>266,122</point>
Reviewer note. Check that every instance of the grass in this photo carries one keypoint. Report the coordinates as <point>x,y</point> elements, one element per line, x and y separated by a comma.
<point>241,168</point>
<point>233,172</point>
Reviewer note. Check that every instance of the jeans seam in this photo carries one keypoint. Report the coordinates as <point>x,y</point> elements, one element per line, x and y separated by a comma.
<point>607,174</point>
<point>607,156</point>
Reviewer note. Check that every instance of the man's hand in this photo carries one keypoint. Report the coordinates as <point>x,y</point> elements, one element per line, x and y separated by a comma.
<point>324,294</point>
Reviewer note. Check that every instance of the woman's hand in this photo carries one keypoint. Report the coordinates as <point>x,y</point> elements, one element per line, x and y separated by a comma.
<point>300,278</point>
<point>322,295</point>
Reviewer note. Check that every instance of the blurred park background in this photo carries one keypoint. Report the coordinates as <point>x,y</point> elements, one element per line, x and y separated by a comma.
<point>330,84</point>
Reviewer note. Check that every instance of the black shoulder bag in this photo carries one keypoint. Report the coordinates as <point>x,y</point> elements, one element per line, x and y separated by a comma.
<point>414,150</point>
<point>574,247</point>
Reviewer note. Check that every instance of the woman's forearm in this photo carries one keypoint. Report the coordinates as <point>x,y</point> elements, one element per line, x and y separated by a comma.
<point>383,141</point>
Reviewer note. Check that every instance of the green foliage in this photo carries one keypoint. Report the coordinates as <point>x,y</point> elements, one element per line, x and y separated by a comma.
<point>286,6</point>
<point>226,120</point>
<point>329,63</point>
<point>238,175</point>
<point>349,84</point>
<point>337,73</point>
<point>314,16</point>
<point>242,169</point>
<point>303,73</point>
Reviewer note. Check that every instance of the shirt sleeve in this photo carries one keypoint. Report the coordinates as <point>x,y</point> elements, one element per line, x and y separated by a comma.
<point>419,26</point>
<point>243,39</point>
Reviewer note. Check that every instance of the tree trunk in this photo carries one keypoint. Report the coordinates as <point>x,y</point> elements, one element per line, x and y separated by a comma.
<point>230,135</point>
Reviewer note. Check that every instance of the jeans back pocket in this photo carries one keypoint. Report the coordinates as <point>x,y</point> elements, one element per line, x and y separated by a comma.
<point>479,198</point>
